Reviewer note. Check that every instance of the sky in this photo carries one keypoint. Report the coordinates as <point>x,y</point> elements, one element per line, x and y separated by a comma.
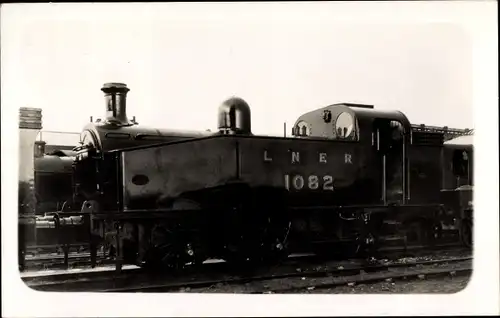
<point>182,60</point>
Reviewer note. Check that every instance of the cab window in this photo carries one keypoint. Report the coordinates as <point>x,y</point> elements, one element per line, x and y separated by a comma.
<point>302,129</point>
<point>344,127</point>
<point>461,163</point>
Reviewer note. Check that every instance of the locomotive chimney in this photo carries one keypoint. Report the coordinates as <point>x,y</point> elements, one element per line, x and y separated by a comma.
<point>115,95</point>
<point>234,117</point>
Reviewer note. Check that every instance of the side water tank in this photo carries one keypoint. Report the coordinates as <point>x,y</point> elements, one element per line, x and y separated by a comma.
<point>234,117</point>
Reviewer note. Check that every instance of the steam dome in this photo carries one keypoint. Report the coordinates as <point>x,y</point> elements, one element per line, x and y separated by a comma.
<point>234,117</point>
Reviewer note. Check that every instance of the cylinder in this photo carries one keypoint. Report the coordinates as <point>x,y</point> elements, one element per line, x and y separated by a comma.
<point>115,95</point>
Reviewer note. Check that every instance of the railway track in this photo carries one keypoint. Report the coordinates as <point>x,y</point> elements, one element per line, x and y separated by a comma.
<point>47,261</point>
<point>337,276</point>
<point>216,274</point>
<point>371,278</point>
<point>82,261</point>
<point>51,248</point>
<point>58,261</point>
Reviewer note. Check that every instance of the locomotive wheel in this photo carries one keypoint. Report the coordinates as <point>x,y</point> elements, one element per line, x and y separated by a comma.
<point>244,238</point>
<point>417,233</point>
<point>364,247</point>
<point>258,232</point>
<point>172,246</point>
<point>196,242</point>
<point>273,247</point>
<point>167,250</point>
<point>466,233</point>
<point>257,248</point>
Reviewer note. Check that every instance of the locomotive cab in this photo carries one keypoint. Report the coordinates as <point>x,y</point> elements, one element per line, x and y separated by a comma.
<point>457,184</point>
<point>386,133</point>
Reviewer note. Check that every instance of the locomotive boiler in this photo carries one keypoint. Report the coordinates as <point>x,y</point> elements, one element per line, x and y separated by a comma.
<point>350,179</point>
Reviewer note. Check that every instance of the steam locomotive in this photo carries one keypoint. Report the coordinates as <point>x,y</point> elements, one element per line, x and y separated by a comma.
<point>50,191</point>
<point>350,179</point>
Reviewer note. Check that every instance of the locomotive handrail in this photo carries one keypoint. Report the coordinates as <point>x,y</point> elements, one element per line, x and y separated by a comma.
<point>40,134</point>
<point>28,216</point>
<point>214,136</point>
<point>444,129</point>
<point>60,132</point>
<point>446,132</point>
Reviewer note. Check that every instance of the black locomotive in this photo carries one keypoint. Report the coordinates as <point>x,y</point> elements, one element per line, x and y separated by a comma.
<point>45,200</point>
<point>349,179</point>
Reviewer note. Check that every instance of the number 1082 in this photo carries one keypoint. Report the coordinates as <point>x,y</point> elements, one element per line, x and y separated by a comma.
<point>312,182</point>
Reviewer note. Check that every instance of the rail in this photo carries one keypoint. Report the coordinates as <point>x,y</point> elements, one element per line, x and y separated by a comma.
<point>322,275</point>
